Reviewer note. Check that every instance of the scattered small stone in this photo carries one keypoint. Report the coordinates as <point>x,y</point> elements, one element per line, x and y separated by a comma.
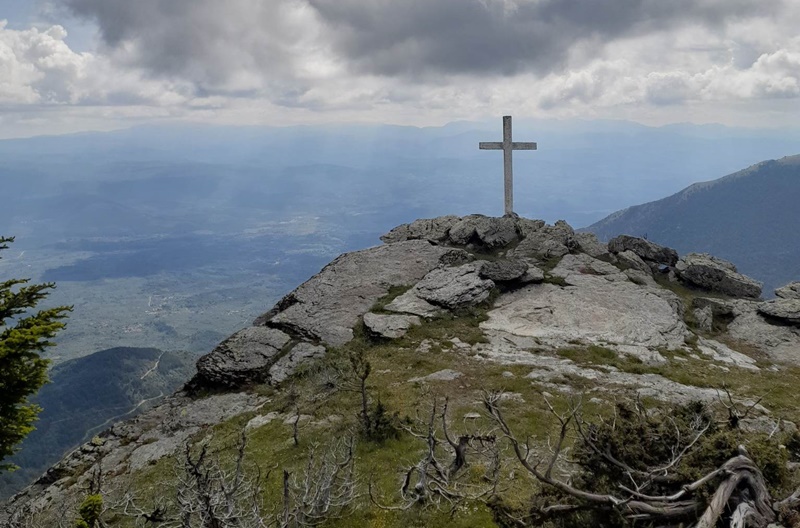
<point>472,416</point>
<point>507,374</point>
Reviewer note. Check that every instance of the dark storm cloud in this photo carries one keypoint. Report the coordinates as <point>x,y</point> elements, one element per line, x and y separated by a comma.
<point>503,37</point>
<point>211,42</point>
<point>208,42</point>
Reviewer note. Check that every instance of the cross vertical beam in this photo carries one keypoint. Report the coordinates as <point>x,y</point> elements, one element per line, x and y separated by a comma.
<point>507,146</point>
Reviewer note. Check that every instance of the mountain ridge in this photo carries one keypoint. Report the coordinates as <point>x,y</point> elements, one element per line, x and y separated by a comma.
<point>749,217</point>
<point>451,307</point>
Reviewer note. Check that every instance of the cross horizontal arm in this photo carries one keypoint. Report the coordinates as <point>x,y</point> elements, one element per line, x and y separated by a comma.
<point>491,145</point>
<point>523,146</point>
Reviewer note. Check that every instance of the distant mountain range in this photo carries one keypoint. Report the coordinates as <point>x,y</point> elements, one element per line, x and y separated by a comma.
<point>751,217</point>
<point>88,394</point>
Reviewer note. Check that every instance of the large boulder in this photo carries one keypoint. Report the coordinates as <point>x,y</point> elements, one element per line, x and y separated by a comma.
<point>327,307</point>
<point>389,326</point>
<point>503,270</point>
<point>787,310</point>
<point>433,229</point>
<point>716,275</point>
<point>547,242</point>
<point>243,358</point>
<point>484,232</point>
<point>790,291</point>
<point>454,288</point>
<point>645,249</point>
<point>780,342</point>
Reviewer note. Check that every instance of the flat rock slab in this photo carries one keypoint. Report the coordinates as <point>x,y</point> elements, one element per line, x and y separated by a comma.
<point>455,287</point>
<point>724,354</point>
<point>390,326</point>
<point>244,357</point>
<point>594,311</point>
<point>327,306</point>
<point>442,375</point>
<point>790,291</point>
<point>583,264</point>
<point>716,275</point>
<point>645,249</point>
<point>784,309</point>
<point>409,303</point>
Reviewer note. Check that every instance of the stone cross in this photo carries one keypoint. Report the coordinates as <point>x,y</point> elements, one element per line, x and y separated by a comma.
<point>507,146</point>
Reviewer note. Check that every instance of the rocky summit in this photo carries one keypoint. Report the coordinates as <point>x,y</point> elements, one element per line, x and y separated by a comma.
<point>460,304</point>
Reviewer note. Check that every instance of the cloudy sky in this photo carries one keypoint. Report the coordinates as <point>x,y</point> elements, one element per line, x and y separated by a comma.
<point>68,65</point>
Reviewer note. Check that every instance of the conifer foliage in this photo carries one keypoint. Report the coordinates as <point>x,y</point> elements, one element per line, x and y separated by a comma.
<point>23,336</point>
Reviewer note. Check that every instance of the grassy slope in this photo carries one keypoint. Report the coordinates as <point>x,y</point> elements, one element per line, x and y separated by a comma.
<point>393,364</point>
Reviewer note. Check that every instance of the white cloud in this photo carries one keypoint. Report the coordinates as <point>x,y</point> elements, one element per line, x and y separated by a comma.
<point>289,61</point>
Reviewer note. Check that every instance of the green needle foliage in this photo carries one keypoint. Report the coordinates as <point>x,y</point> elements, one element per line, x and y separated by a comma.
<point>23,336</point>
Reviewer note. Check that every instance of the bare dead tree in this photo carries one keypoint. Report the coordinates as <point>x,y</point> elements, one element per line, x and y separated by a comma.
<point>325,488</point>
<point>735,415</point>
<point>435,482</point>
<point>741,498</point>
<point>207,495</point>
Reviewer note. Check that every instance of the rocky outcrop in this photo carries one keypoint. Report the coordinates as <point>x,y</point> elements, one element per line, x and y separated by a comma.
<point>581,304</point>
<point>454,288</point>
<point>716,275</point>
<point>790,291</point>
<point>432,229</point>
<point>546,242</point>
<point>389,326</point>
<point>595,309</point>
<point>787,310</point>
<point>484,232</point>
<point>245,357</point>
<point>503,270</point>
<point>645,249</point>
<point>327,307</point>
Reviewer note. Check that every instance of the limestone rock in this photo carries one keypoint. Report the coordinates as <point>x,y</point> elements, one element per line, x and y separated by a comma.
<point>644,248</point>
<point>631,260</point>
<point>503,270</point>
<point>288,364</point>
<point>409,303</point>
<point>716,275</point>
<point>780,342</point>
<point>547,242</point>
<point>244,357</point>
<point>588,243</point>
<point>724,354</point>
<point>389,326</point>
<point>487,232</point>
<point>454,287</point>
<point>583,264</point>
<point>790,291</point>
<point>787,310</point>
<point>433,229</point>
<point>327,306</point>
<point>594,310</point>
<point>442,375</point>
<point>533,274</point>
